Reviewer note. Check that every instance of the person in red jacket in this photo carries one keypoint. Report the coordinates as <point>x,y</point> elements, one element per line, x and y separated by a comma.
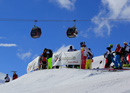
<point>15,76</point>
<point>118,57</point>
<point>44,59</point>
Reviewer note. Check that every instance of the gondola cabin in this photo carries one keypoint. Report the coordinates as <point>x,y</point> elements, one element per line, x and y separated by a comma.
<point>36,32</point>
<point>71,32</point>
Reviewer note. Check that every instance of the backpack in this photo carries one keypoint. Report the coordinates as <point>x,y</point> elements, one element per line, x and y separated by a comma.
<point>90,54</point>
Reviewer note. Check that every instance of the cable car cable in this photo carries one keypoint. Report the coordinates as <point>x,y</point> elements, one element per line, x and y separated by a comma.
<point>32,20</point>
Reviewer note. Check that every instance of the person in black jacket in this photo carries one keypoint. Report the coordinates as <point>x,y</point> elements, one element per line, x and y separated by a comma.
<point>125,54</point>
<point>7,79</point>
<point>109,57</point>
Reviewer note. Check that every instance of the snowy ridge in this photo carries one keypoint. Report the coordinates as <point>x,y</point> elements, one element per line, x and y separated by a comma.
<point>69,81</point>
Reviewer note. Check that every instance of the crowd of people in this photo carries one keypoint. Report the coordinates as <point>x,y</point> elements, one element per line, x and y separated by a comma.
<point>118,57</point>
<point>45,60</point>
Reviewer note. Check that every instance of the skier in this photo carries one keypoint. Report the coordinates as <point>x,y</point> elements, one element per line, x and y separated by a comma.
<point>126,52</point>
<point>118,57</point>
<point>7,79</point>
<point>109,56</point>
<point>49,58</point>
<point>84,52</point>
<point>89,60</point>
<point>15,76</point>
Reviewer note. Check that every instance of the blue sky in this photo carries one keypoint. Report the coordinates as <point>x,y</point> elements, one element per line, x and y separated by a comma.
<point>18,48</point>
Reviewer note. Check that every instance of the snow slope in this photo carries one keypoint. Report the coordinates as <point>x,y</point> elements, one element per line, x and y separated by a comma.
<point>69,81</point>
<point>97,61</point>
<point>2,76</point>
<point>65,80</point>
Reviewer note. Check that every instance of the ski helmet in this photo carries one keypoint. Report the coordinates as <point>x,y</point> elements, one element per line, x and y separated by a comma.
<point>110,45</point>
<point>125,43</point>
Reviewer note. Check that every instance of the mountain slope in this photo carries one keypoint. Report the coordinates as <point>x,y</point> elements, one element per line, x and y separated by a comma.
<point>69,81</point>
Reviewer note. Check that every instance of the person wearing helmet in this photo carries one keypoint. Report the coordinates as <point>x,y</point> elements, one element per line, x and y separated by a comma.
<point>109,56</point>
<point>118,57</point>
<point>84,52</point>
<point>126,52</point>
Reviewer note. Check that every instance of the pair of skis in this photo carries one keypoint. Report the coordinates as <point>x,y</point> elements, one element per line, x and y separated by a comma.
<point>111,69</point>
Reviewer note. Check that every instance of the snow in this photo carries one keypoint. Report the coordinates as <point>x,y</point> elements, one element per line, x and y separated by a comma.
<point>97,61</point>
<point>65,80</point>
<point>69,81</point>
<point>2,76</point>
